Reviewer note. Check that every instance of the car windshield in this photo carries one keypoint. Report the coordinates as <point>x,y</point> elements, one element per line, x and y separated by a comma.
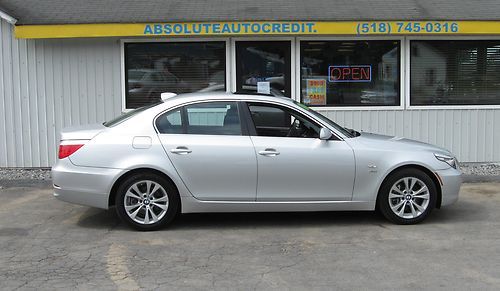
<point>119,119</point>
<point>325,119</point>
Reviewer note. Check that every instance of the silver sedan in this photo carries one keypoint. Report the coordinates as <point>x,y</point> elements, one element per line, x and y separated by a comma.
<point>222,152</point>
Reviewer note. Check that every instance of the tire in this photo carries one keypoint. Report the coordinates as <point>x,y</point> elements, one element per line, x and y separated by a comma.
<point>413,196</point>
<point>147,201</point>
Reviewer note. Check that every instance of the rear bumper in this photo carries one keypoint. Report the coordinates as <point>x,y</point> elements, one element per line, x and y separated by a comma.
<point>451,182</point>
<point>83,185</point>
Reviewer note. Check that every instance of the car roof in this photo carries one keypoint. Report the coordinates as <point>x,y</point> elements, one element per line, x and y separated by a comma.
<point>204,96</point>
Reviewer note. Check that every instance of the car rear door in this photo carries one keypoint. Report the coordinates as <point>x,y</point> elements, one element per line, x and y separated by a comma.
<point>210,150</point>
<point>293,163</point>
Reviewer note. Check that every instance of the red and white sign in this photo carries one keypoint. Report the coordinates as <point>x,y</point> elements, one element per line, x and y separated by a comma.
<point>353,73</point>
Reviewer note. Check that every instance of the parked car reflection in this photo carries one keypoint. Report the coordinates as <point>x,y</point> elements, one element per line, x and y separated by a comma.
<point>378,97</point>
<point>251,89</point>
<point>146,85</point>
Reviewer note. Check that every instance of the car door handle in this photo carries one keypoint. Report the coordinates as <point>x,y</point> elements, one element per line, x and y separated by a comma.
<point>181,151</point>
<point>269,153</point>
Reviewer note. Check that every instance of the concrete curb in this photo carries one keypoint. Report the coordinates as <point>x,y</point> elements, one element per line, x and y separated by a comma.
<point>480,179</point>
<point>29,183</point>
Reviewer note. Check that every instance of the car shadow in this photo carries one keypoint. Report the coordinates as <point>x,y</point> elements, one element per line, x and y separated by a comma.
<point>274,219</point>
<point>463,211</point>
<point>108,219</point>
<point>100,219</point>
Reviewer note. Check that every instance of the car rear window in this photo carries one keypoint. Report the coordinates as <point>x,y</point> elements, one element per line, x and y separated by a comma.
<point>121,118</point>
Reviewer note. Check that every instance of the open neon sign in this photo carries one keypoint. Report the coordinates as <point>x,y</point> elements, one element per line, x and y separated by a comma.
<point>354,73</point>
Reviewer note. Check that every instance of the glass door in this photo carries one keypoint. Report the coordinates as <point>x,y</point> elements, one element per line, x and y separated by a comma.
<point>264,67</point>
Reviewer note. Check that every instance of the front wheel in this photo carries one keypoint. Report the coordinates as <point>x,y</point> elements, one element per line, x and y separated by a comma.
<point>147,201</point>
<point>407,196</point>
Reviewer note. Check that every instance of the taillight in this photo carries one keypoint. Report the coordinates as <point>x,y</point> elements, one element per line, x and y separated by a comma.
<point>66,150</point>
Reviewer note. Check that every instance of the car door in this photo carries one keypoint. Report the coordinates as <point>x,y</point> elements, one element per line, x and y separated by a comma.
<point>208,148</point>
<point>293,163</point>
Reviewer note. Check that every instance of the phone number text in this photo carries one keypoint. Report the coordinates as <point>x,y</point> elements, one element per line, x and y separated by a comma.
<point>406,27</point>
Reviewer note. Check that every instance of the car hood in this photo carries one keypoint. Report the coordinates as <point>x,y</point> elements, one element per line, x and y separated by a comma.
<point>398,143</point>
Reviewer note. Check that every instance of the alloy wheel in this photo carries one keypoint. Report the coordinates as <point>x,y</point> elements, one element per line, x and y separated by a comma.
<point>409,197</point>
<point>146,202</point>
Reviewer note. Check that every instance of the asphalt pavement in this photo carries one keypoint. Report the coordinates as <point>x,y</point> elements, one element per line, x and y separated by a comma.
<point>46,244</point>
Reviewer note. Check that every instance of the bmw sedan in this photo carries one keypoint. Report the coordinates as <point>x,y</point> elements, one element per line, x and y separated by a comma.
<point>222,152</point>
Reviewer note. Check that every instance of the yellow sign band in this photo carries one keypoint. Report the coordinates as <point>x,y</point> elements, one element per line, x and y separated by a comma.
<point>187,29</point>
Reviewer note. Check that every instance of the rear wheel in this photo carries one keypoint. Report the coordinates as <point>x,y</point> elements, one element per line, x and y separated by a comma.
<point>147,201</point>
<point>407,196</point>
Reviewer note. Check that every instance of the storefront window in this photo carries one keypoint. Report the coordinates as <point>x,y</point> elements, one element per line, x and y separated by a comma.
<point>263,67</point>
<point>350,73</point>
<point>179,67</point>
<point>465,72</point>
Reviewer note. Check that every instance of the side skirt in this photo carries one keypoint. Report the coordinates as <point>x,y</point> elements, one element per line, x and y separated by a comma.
<point>192,205</point>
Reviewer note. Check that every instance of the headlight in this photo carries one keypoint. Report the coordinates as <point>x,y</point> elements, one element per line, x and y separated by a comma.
<point>452,161</point>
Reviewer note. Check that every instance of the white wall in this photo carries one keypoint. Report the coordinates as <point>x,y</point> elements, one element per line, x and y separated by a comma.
<point>46,85</point>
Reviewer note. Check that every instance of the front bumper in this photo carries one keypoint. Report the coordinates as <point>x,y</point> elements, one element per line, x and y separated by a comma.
<point>451,181</point>
<point>83,185</point>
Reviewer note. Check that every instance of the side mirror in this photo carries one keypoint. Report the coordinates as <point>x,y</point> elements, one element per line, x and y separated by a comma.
<point>325,134</point>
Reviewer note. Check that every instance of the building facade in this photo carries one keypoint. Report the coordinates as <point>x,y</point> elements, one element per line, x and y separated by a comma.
<point>395,74</point>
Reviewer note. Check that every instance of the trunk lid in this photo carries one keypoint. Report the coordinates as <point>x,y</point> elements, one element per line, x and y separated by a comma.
<point>82,132</point>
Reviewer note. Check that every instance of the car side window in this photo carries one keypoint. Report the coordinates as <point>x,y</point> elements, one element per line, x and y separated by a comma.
<point>170,122</point>
<point>278,121</point>
<point>211,118</point>
<point>215,118</point>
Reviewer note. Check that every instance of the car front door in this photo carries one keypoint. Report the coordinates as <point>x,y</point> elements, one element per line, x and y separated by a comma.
<point>208,148</point>
<point>293,164</point>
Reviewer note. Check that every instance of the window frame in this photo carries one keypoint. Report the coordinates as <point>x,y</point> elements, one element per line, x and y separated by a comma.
<point>246,118</point>
<point>184,118</point>
<point>293,64</point>
<point>252,130</point>
<point>407,72</point>
<point>171,110</point>
<point>123,81</point>
<point>186,125</point>
<point>402,71</point>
